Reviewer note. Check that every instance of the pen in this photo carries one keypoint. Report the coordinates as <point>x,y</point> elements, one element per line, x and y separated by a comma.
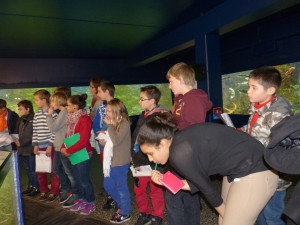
<point>155,166</point>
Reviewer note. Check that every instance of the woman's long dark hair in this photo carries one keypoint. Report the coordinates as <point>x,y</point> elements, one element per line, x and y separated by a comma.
<point>161,126</point>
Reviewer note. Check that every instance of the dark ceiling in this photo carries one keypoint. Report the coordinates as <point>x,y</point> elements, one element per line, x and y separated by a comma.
<point>89,29</point>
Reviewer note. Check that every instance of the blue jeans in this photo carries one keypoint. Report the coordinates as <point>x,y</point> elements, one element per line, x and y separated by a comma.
<point>58,169</point>
<point>85,188</point>
<point>116,185</point>
<point>272,212</point>
<point>183,208</point>
<point>68,169</point>
<point>29,165</point>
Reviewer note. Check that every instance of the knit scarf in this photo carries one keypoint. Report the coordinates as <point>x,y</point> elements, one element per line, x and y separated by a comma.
<point>73,119</point>
<point>108,154</point>
<point>3,121</point>
<point>256,115</point>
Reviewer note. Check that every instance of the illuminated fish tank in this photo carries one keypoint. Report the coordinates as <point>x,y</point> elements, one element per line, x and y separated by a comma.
<point>235,86</point>
<point>129,94</point>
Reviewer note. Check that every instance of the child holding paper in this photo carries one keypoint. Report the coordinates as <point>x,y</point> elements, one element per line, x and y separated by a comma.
<point>116,167</point>
<point>105,92</point>
<point>149,98</point>
<point>79,122</point>
<point>42,140</point>
<point>61,164</point>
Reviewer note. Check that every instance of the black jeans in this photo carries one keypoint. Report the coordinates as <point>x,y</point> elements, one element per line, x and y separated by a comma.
<point>183,208</point>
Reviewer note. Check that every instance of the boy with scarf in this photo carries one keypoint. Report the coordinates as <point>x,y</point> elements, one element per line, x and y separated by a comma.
<point>266,110</point>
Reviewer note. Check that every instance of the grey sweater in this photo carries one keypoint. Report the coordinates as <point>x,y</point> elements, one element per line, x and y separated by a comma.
<point>58,125</point>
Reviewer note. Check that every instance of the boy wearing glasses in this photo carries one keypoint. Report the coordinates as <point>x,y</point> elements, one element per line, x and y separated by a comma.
<point>154,213</point>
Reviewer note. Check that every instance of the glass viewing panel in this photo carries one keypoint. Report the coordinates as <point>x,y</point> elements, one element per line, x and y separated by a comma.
<point>235,86</point>
<point>129,94</point>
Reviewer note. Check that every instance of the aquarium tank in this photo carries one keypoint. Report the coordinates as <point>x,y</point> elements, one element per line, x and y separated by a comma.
<point>129,94</point>
<point>235,86</point>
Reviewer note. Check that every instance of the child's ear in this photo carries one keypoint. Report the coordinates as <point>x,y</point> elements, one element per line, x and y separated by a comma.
<point>271,91</point>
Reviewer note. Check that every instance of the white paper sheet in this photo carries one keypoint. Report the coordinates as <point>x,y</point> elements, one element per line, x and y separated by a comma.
<point>42,163</point>
<point>144,171</point>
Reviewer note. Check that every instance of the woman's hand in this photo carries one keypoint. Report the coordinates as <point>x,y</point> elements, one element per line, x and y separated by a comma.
<point>156,176</point>
<point>221,210</point>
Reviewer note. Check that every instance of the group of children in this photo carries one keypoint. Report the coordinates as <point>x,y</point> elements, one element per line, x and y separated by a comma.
<point>59,116</point>
<point>62,115</point>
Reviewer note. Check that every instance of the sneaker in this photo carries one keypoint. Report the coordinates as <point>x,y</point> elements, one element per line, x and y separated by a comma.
<point>51,197</point>
<point>78,206</point>
<point>110,203</point>
<point>71,202</point>
<point>118,218</point>
<point>144,219</point>
<point>156,220</point>
<point>64,196</point>
<point>88,208</point>
<point>43,196</point>
<point>35,191</point>
<point>27,191</point>
<point>283,184</point>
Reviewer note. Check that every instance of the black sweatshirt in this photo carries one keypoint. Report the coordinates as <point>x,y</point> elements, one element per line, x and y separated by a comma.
<point>206,149</point>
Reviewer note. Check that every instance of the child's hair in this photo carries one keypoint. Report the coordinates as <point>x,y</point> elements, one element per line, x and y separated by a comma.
<point>2,103</point>
<point>107,85</point>
<point>60,98</point>
<point>182,70</point>
<point>27,105</point>
<point>268,76</point>
<point>152,92</point>
<point>119,111</point>
<point>78,100</point>
<point>43,94</point>
<point>161,126</point>
<point>63,89</point>
<point>96,82</point>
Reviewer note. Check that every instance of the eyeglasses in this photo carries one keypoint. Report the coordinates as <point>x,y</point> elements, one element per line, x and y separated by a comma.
<point>144,99</point>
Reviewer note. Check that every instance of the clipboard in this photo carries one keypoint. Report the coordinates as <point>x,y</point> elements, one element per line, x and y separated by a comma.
<point>79,156</point>
<point>171,182</point>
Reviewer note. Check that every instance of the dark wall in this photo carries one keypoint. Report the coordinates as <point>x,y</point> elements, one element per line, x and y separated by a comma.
<point>21,73</point>
<point>18,73</point>
<point>271,41</point>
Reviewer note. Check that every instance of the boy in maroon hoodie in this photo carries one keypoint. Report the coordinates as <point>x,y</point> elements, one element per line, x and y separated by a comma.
<point>190,107</point>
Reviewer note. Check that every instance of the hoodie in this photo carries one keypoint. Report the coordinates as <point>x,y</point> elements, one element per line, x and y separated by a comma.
<point>191,108</point>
